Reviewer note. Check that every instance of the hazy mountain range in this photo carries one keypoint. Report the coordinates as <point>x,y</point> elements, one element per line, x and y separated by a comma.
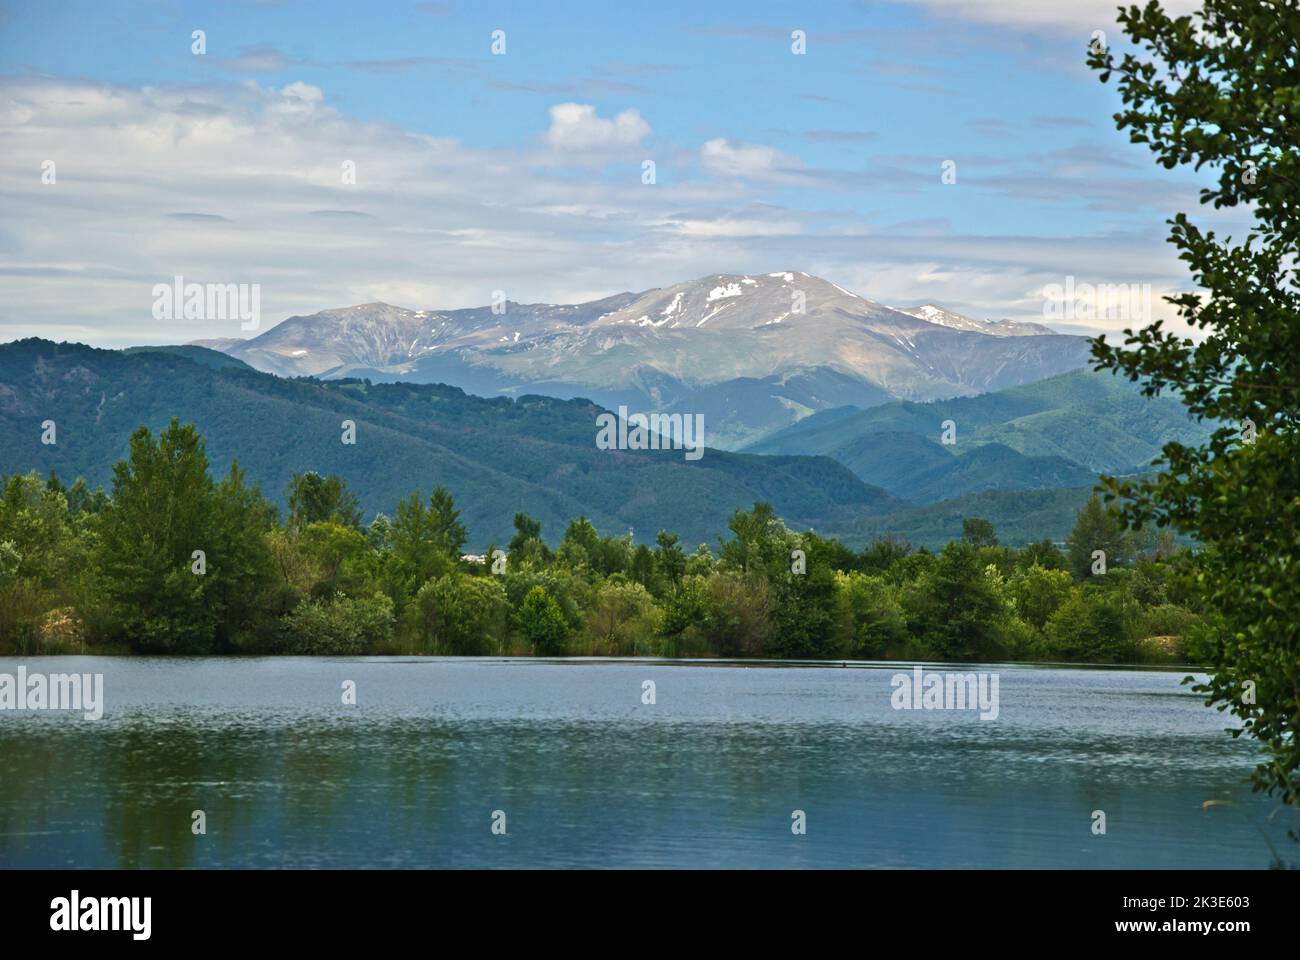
<point>1025,458</point>
<point>497,456</point>
<point>1060,432</point>
<point>754,354</point>
<point>833,407</point>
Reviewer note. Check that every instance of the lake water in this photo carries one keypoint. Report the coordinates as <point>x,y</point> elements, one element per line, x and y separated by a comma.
<point>587,775</point>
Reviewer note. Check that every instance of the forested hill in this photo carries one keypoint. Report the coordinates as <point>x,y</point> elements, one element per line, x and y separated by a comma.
<point>497,456</point>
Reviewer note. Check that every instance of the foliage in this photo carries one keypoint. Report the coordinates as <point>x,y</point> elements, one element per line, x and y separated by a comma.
<point>1220,89</point>
<point>81,570</point>
<point>541,623</point>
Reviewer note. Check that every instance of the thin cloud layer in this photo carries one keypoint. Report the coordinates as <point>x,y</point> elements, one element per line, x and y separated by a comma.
<point>278,186</point>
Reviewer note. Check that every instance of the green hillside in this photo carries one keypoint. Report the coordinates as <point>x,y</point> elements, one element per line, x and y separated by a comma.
<point>1020,517</point>
<point>200,355</point>
<point>1055,433</point>
<point>497,456</point>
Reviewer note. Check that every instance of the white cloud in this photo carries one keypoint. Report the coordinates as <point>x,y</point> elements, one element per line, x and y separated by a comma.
<point>738,159</point>
<point>302,91</point>
<point>242,184</point>
<point>1083,15</point>
<point>576,127</point>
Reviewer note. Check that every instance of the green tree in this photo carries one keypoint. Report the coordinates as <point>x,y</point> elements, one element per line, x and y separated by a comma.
<point>338,626</point>
<point>621,621</point>
<point>956,608</point>
<point>670,559</point>
<point>1221,89</point>
<point>462,615</point>
<point>541,623</point>
<point>527,545</point>
<point>427,540</point>
<point>872,612</point>
<point>1039,593</point>
<point>979,532</point>
<point>183,559</point>
<point>758,539</point>
<point>1089,626</point>
<point>1097,528</point>
<point>316,499</point>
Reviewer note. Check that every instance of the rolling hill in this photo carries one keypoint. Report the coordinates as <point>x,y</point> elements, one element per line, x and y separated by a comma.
<point>1060,432</point>
<point>497,456</point>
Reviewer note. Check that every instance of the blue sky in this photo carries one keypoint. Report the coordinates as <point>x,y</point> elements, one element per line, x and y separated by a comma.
<point>523,171</point>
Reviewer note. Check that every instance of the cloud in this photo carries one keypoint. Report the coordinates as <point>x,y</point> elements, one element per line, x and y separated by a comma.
<point>302,91</point>
<point>732,159</point>
<point>1084,15</point>
<point>431,222</point>
<point>262,58</point>
<point>576,127</point>
<point>841,136</point>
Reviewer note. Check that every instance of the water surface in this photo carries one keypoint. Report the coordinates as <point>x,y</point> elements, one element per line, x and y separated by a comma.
<point>587,775</point>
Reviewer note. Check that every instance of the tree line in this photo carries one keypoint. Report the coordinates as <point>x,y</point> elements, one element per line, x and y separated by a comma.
<point>175,561</point>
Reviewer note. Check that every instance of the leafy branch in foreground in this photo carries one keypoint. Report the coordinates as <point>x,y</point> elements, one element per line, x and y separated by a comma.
<point>1221,89</point>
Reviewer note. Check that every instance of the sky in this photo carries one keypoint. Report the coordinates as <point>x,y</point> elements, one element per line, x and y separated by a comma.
<point>524,170</point>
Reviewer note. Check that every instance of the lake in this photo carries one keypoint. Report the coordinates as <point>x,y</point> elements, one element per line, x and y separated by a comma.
<point>578,771</point>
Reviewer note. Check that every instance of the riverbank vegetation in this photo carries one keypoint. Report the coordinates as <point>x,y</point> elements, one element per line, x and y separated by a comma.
<point>175,561</point>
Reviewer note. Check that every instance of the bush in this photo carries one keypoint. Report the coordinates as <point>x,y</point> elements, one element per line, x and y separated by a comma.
<point>462,615</point>
<point>541,623</point>
<point>339,626</point>
<point>1090,626</point>
<point>872,618</point>
<point>622,620</point>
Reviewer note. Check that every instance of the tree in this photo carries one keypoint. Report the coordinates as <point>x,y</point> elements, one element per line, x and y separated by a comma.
<point>44,553</point>
<point>541,623</point>
<point>427,540</point>
<point>462,615</point>
<point>979,532</point>
<point>1221,89</point>
<point>739,613</point>
<point>164,508</point>
<point>1089,626</point>
<point>240,564</point>
<point>1038,593</point>
<point>956,608</point>
<point>757,536</point>
<point>1043,554</point>
<point>622,619</point>
<point>670,559</point>
<point>527,546</point>
<point>315,499</point>
<point>1097,528</point>
<point>804,614</point>
<point>338,626</point>
<point>872,613</point>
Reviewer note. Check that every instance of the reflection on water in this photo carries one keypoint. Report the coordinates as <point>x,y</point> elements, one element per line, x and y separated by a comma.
<point>588,775</point>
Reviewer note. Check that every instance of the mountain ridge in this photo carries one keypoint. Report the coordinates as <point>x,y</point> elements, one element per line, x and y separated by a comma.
<point>496,455</point>
<point>675,346</point>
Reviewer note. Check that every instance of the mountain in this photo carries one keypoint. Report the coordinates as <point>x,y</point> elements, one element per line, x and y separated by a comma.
<point>755,353</point>
<point>497,456</point>
<point>1020,517</point>
<point>1060,432</point>
<point>207,356</point>
<point>998,328</point>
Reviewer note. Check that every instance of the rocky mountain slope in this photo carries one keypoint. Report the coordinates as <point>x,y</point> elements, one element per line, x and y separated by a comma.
<point>758,352</point>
